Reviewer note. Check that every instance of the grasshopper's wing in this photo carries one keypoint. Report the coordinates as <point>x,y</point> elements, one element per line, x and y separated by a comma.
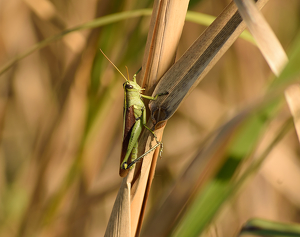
<point>129,121</point>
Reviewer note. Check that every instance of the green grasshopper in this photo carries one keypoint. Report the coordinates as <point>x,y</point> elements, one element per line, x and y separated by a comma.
<point>134,118</point>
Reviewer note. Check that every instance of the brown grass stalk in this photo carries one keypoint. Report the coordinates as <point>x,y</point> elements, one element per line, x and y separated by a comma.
<point>163,37</point>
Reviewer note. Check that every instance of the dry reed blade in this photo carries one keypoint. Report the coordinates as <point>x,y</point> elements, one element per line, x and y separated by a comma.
<point>265,38</point>
<point>197,61</point>
<point>184,75</point>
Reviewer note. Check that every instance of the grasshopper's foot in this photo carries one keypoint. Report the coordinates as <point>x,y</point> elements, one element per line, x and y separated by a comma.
<point>160,94</point>
<point>161,149</point>
<point>164,93</point>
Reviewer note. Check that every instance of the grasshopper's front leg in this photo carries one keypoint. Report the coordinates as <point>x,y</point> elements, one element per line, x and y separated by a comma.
<point>155,97</point>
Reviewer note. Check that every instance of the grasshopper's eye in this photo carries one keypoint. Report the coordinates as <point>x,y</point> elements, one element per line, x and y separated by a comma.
<point>128,86</point>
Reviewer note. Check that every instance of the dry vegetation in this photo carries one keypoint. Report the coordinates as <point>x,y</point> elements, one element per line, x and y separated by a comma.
<point>61,120</point>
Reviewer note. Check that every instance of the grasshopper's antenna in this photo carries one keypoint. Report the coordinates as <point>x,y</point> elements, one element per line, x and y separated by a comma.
<point>115,66</point>
<point>127,72</point>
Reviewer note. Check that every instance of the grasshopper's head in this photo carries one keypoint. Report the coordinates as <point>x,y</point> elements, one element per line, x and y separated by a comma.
<point>131,85</point>
<point>128,85</point>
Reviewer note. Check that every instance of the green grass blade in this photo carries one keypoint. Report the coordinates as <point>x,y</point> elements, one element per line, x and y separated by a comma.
<point>109,19</point>
<point>105,20</point>
<point>262,227</point>
<point>206,20</point>
<point>208,202</point>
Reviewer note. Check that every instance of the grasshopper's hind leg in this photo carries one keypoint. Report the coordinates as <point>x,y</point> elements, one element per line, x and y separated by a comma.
<point>133,144</point>
<point>135,159</point>
<point>157,142</point>
<point>134,154</point>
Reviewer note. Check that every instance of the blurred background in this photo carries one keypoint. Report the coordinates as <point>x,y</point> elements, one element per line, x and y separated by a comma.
<point>61,116</point>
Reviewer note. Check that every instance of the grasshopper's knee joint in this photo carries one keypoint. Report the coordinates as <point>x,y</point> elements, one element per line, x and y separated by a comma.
<point>124,166</point>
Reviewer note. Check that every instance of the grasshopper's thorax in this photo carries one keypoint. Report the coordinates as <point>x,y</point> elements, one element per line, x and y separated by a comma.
<point>133,97</point>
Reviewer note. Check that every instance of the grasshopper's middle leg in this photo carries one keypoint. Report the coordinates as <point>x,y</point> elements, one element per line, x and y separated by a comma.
<point>157,142</point>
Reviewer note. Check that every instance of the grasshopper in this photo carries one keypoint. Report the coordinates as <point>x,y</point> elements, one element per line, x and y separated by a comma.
<point>134,119</point>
